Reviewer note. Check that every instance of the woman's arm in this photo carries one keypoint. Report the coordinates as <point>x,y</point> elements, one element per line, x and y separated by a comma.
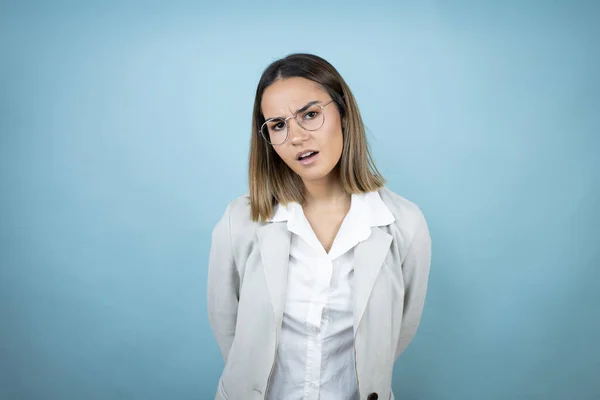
<point>222,286</point>
<point>415,270</point>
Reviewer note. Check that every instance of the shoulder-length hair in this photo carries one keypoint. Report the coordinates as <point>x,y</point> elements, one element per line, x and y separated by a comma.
<point>271,181</point>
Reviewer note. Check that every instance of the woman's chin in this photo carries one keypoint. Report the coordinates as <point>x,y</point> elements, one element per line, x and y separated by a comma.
<point>315,176</point>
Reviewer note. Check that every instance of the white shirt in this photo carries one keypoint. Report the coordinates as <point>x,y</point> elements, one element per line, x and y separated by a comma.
<point>315,358</point>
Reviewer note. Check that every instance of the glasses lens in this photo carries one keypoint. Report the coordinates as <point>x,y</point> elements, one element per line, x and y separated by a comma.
<point>312,118</point>
<point>274,131</point>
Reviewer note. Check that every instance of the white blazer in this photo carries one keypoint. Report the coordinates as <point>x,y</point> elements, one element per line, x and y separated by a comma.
<point>247,279</point>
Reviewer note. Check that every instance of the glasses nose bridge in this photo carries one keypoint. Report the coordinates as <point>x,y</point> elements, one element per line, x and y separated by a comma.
<point>299,125</point>
<point>295,118</point>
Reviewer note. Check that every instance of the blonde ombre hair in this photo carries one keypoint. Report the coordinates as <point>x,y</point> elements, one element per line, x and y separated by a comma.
<point>271,181</point>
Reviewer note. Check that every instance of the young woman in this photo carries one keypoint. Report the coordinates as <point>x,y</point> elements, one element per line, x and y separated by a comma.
<point>317,278</point>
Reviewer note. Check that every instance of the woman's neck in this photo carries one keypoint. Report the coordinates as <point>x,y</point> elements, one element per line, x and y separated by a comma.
<point>327,192</point>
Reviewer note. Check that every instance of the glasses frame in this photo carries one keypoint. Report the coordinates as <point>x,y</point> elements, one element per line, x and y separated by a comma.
<point>285,120</point>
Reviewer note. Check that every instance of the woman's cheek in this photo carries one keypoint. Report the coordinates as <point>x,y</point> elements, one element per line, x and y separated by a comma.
<point>286,157</point>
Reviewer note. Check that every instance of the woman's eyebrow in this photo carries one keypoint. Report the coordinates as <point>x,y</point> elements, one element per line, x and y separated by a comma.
<point>304,107</point>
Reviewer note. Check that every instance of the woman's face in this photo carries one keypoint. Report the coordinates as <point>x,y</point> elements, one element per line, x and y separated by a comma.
<point>282,99</point>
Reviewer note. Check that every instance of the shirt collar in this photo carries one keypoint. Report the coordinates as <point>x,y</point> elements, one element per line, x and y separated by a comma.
<point>366,211</point>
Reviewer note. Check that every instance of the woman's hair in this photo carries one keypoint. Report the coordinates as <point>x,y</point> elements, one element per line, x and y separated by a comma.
<point>271,181</point>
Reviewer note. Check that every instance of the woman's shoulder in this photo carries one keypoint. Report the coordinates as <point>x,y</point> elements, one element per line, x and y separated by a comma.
<point>238,215</point>
<point>239,208</point>
<point>407,214</point>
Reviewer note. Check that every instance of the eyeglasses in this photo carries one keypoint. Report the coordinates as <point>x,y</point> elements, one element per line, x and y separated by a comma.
<point>310,117</point>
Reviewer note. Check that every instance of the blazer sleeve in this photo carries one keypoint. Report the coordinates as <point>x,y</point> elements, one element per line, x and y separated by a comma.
<point>415,270</point>
<point>222,286</point>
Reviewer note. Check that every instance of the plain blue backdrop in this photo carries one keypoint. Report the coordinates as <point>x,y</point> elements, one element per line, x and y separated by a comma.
<point>124,133</point>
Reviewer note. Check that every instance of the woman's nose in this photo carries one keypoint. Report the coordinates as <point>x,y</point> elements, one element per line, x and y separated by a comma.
<point>296,133</point>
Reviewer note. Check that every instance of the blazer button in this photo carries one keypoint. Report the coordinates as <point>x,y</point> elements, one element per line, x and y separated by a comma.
<point>373,396</point>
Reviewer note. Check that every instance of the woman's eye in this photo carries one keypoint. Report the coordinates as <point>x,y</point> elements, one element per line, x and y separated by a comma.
<point>311,114</point>
<point>277,126</point>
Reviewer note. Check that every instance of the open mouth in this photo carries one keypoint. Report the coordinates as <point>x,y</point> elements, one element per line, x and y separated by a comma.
<point>309,155</point>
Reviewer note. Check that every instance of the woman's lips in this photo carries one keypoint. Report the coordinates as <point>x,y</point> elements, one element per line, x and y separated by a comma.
<point>310,159</point>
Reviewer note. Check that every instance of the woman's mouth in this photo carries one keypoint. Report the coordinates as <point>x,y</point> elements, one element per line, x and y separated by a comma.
<point>307,157</point>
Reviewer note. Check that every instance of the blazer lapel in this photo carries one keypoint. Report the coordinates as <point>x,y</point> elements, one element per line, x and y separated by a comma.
<point>369,255</point>
<point>274,244</point>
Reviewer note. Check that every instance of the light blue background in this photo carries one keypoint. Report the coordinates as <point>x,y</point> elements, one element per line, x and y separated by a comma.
<point>124,133</point>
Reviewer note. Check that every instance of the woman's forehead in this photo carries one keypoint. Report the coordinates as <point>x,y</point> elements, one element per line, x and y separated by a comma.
<point>285,96</point>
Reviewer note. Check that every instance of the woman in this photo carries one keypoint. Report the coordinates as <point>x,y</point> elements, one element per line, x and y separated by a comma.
<point>317,278</point>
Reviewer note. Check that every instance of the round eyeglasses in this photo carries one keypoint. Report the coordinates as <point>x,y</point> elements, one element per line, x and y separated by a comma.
<point>310,117</point>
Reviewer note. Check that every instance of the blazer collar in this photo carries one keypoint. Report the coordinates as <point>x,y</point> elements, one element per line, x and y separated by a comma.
<point>274,244</point>
<point>369,256</point>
